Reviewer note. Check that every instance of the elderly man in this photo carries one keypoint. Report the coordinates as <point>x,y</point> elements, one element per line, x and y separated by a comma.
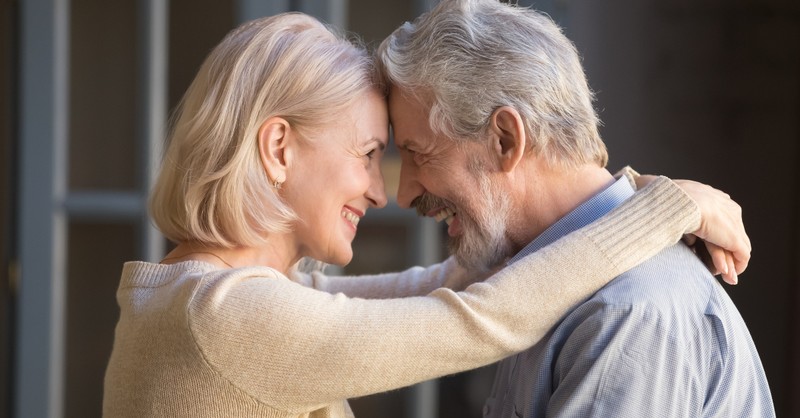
<point>494,121</point>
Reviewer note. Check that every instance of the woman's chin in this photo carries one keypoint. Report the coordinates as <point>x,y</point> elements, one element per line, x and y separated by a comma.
<point>343,262</point>
<point>340,260</point>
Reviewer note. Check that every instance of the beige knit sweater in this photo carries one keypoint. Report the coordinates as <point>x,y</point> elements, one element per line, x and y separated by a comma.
<point>195,341</point>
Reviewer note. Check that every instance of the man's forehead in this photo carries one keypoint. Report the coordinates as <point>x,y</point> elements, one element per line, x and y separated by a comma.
<point>406,118</point>
<point>401,141</point>
<point>400,100</point>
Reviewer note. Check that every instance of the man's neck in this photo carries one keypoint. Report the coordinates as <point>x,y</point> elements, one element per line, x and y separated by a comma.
<point>549,194</point>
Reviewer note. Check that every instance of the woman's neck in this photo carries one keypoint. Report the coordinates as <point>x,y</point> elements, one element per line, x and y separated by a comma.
<point>273,253</point>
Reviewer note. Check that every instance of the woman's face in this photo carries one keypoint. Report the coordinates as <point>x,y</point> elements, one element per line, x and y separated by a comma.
<point>336,178</point>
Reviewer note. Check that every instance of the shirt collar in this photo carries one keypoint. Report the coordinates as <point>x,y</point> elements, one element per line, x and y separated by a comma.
<point>583,215</point>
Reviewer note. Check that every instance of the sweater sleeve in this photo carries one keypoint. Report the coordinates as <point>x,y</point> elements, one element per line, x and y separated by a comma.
<point>297,348</point>
<point>415,281</point>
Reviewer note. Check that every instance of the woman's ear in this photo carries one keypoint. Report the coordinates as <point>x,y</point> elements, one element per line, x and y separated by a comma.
<point>274,137</point>
<point>509,137</point>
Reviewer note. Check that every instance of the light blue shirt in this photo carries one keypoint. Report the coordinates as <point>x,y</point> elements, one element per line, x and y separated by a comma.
<point>661,340</point>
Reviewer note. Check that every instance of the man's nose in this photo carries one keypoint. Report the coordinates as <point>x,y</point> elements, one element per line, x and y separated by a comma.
<point>409,188</point>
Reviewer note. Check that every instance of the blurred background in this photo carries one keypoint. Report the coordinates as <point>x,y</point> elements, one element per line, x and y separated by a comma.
<point>700,89</point>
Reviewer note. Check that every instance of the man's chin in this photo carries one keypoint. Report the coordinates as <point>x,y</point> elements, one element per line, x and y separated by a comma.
<point>486,260</point>
<point>481,249</point>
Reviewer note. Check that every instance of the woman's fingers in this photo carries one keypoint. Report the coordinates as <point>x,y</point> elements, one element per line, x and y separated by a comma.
<point>721,224</point>
<point>723,263</point>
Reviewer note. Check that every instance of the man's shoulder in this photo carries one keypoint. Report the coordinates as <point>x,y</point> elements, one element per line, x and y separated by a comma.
<point>675,273</point>
<point>673,288</point>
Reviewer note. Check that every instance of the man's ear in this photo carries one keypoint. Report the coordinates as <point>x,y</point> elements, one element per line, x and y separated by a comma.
<point>274,137</point>
<point>508,136</point>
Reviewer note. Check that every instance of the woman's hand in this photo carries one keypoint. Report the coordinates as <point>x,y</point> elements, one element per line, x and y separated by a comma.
<point>727,246</point>
<point>722,229</point>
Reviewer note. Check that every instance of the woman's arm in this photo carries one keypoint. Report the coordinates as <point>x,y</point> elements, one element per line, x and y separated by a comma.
<point>297,348</point>
<point>721,229</point>
<point>415,281</point>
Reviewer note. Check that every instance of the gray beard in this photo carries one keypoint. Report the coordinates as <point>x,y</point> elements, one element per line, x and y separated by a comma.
<point>482,246</point>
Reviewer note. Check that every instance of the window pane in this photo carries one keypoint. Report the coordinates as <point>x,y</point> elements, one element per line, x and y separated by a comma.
<point>195,27</point>
<point>95,255</point>
<point>103,88</point>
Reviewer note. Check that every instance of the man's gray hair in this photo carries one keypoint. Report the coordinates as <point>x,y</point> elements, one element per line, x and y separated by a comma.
<point>466,58</point>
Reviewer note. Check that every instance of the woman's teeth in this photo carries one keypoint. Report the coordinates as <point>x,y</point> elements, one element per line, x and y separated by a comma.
<point>350,216</point>
<point>445,215</point>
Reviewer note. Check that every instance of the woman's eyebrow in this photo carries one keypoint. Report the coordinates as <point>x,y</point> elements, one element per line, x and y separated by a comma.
<point>381,143</point>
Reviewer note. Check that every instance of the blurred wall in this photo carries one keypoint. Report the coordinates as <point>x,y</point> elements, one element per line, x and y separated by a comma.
<point>7,151</point>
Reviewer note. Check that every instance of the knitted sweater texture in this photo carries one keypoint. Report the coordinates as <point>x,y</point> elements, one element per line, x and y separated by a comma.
<point>196,341</point>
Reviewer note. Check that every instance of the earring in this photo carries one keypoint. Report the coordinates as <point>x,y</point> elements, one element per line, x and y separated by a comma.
<point>276,184</point>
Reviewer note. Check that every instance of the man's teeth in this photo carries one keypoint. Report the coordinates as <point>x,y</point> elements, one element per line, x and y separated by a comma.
<point>446,215</point>
<point>350,216</point>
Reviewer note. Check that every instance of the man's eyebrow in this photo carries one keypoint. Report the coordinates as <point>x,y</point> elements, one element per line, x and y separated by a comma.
<point>404,145</point>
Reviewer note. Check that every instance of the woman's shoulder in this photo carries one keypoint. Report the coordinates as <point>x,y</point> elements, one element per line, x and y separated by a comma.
<point>243,289</point>
<point>147,274</point>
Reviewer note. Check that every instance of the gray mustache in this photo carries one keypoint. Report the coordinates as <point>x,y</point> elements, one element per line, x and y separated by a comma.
<point>427,202</point>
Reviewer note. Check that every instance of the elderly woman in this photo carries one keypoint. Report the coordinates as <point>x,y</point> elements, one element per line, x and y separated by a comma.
<point>274,156</point>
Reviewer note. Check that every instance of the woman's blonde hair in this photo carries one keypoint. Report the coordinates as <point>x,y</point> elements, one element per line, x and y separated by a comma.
<point>212,187</point>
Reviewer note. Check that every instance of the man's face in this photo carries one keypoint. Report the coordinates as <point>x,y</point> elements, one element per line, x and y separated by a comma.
<point>449,181</point>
